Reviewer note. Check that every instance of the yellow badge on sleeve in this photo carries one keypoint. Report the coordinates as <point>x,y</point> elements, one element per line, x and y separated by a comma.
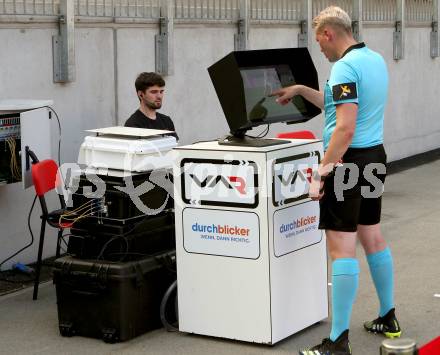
<point>346,91</point>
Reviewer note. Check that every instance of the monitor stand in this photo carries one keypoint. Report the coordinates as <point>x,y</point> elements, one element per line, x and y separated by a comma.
<point>250,142</point>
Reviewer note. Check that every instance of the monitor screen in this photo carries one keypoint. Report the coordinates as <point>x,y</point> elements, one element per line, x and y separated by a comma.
<point>243,81</point>
<point>259,83</point>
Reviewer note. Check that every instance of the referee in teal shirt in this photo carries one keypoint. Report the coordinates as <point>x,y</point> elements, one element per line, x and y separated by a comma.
<point>354,102</point>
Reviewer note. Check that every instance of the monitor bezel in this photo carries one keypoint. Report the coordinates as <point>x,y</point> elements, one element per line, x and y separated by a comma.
<point>228,83</point>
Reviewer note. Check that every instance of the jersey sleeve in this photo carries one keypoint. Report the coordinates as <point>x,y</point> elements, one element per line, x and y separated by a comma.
<point>343,83</point>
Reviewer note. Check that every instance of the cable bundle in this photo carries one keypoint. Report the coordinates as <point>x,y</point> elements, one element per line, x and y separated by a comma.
<point>87,209</point>
<point>15,168</point>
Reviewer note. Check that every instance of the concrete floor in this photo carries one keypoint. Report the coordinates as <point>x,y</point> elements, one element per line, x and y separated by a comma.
<point>411,223</point>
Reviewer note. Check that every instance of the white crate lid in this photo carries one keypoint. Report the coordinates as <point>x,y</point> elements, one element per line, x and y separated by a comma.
<point>129,145</point>
<point>129,131</point>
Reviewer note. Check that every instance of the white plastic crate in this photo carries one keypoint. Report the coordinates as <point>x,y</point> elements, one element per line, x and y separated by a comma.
<point>128,153</point>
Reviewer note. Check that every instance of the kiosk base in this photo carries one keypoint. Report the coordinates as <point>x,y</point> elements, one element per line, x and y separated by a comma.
<point>250,141</point>
<point>252,260</point>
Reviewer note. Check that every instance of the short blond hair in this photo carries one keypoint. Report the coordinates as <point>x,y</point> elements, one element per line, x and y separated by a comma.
<point>332,16</point>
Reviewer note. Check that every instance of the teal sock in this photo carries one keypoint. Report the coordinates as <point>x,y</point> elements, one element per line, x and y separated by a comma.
<point>381,268</point>
<point>345,281</point>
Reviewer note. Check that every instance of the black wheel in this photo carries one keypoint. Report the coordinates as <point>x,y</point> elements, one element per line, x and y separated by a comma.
<point>110,336</point>
<point>66,331</point>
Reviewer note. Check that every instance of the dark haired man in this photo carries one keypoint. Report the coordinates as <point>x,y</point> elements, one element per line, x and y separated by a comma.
<point>150,88</point>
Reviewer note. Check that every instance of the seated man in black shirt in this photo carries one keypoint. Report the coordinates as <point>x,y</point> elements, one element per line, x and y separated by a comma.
<point>150,91</point>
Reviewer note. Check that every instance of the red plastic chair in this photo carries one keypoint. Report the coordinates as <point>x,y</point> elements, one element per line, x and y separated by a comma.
<point>297,135</point>
<point>432,348</point>
<point>46,178</point>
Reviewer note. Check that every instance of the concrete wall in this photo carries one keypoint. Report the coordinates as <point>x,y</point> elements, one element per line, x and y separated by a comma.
<point>108,58</point>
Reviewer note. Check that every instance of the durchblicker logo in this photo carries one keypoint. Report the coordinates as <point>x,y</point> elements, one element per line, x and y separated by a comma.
<point>296,227</point>
<point>221,229</point>
<point>300,224</point>
<point>223,232</point>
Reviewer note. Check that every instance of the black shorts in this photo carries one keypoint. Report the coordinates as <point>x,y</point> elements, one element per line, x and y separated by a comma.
<point>349,199</point>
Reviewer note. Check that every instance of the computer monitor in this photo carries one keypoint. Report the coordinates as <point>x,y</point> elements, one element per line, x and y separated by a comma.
<point>244,80</point>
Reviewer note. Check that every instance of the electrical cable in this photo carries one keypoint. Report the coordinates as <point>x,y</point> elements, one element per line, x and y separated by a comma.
<point>30,230</point>
<point>88,212</point>
<point>59,145</point>
<point>79,208</point>
<point>59,133</point>
<point>163,305</point>
<point>123,235</point>
<point>264,133</point>
<point>72,219</point>
<point>14,166</point>
<point>71,235</point>
<point>87,209</point>
<point>15,170</point>
<point>74,235</point>
<point>127,248</point>
<point>65,243</point>
<point>104,247</point>
<point>261,134</point>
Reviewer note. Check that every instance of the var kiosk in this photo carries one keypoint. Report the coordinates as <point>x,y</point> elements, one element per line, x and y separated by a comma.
<point>252,263</point>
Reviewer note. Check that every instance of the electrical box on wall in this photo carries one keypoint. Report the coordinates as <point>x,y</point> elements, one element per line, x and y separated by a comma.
<point>23,123</point>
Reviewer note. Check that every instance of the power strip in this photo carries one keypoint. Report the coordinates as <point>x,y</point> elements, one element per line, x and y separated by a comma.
<point>9,127</point>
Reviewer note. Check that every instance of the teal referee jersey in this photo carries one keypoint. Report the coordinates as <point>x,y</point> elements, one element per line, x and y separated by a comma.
<point>360,77</point>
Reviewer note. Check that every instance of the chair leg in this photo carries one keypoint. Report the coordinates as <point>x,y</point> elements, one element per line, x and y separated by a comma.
<point>60,236</point>
<point>40,254</point>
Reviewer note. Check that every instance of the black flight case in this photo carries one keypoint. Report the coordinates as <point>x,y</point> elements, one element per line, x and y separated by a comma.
<point>93,238</point>
<point>152,191</point>
<point>113,223</point>
<point>113,301</point>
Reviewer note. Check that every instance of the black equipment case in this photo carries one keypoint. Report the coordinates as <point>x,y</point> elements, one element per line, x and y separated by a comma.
<point>109,300</point>
<point>117,204</point>
<point>148,235</point>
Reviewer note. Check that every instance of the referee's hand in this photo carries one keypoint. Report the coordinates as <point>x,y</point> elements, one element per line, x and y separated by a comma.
<point>316,190</point>
<point>284,95</point>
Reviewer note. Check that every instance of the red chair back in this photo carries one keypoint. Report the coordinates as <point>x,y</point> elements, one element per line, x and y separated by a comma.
<point>297,135</point>
<point>432,348</point>
<point>45,176</point>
